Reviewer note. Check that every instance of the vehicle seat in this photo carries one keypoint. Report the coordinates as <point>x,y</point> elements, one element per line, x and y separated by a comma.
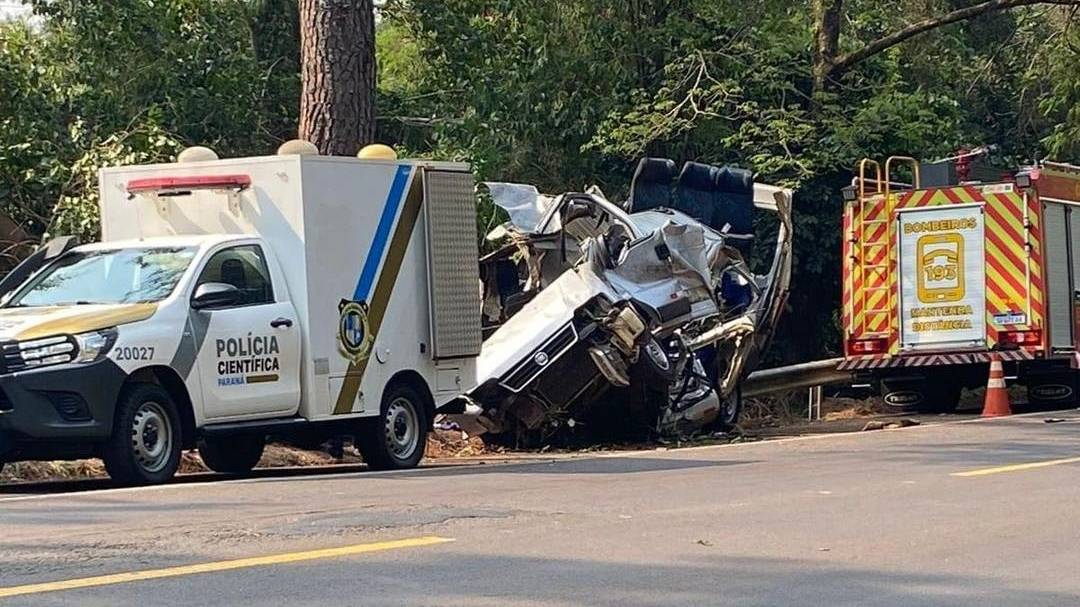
<point>695,192</point>
<point>233,273</point>
<point>735,207</point>
<point>651,186</point>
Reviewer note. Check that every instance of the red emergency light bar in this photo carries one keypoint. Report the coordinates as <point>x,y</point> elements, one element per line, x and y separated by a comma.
<point>185,184</point>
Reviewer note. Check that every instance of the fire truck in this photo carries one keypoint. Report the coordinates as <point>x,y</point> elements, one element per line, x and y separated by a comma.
<point>947,265</point>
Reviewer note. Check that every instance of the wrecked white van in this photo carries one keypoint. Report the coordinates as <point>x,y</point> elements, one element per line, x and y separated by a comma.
<point>640,317</point>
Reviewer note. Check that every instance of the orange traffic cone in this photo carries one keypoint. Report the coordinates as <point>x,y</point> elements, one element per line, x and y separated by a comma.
<point>996,403</point>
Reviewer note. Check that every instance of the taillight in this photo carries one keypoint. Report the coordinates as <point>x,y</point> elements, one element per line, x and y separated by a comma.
<point>1020,338</point>
<point>876,345</point>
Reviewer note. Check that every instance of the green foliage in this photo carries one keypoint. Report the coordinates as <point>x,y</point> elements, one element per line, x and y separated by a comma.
<point>562,94</point>
<point>99,83</point>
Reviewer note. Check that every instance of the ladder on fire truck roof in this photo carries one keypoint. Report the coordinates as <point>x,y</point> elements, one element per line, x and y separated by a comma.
<point>872,238</point>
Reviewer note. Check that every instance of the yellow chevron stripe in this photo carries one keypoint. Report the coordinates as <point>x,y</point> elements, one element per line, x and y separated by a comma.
<point>877,323</point>
<point>1007,217</point>
<point>964,195</point>
<point>1003,260</point>
<point>1015,296</point>
<point>875,300</point>
<point>1017,249</point>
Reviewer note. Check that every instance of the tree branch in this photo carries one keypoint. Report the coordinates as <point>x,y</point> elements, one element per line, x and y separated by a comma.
<point>845,61</point>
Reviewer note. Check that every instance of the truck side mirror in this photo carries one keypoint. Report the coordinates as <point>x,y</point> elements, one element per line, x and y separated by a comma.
<point>215,295</point>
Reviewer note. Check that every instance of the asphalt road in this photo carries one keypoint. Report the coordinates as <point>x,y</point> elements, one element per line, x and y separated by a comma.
<point>981,513</point>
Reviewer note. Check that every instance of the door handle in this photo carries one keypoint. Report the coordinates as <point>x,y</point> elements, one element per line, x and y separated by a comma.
<point>281,322</point>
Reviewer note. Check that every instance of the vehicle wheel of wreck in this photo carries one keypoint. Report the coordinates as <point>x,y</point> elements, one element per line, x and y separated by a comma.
<point>145,445</point>
<point>730,409</point>
<point>656,367</point>
<point>233,454</point>
<point>398,437</point>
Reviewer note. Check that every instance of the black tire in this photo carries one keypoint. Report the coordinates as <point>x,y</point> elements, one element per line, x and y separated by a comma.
<point>935,395</point>
<point>730,409</point>
<point>395,440</point>
<point>232,455</point>
<point>654,366</point>
<point>946,399</point>
<point>144,448</point>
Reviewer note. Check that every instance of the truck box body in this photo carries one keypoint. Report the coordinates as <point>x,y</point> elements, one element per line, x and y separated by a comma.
<point>396,238</point>
<point>949,275</point>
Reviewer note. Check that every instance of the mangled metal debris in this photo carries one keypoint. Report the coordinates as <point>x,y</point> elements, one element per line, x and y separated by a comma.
<point>625,321</point>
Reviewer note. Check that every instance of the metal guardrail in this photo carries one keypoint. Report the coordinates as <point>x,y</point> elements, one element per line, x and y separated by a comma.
<point>794,377</point>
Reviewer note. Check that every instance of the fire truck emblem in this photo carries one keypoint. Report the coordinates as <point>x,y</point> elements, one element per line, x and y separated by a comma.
<point>354,332</point>
<point>941,275</point>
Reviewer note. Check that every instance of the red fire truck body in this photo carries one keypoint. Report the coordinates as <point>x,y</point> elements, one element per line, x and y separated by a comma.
<point>944,271</point>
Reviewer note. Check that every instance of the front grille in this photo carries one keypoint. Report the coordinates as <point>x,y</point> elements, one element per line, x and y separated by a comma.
<point>19,356</point>
<point>11,359</point>
<point>527,370</point>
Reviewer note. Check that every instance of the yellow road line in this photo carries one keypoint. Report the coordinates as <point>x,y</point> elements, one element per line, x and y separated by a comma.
<point>1018,467</point>
<point>258,561</point>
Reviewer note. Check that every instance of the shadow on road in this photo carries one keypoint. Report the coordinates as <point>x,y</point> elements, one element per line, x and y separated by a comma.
<point>582,465</point>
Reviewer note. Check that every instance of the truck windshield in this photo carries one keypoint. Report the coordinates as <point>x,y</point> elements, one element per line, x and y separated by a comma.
<point>107,276</point>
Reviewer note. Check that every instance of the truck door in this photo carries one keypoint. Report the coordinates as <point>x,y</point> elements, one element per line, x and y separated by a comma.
<point>249,361</point>
<point>942,277</point>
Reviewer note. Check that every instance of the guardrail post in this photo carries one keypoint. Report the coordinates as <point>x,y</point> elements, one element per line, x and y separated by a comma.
<point>813,406</point>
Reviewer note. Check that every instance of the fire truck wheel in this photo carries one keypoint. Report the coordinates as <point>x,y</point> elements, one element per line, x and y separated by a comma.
<point>945,399</point>
<point>145,445</point>
<point>934,395</point>
<point>398,437</point>
<point>232,455</point>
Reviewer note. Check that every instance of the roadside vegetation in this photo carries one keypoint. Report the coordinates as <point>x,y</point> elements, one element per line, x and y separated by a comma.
<point>562,94</point>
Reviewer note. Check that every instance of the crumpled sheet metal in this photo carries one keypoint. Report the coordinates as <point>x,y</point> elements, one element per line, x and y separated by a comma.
<point>526,206</point>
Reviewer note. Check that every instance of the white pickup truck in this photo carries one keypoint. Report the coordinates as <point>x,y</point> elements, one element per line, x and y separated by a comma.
<point>293,296</point>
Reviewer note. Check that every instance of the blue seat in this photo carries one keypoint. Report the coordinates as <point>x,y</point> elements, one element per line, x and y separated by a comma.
<point>651,186</point>
<point>721,198</point>
<point>735,206</point>
<point>695,192</point>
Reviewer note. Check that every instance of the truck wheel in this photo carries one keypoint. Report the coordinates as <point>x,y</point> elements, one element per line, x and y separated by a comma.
<point>934,395</point>
<point>398,437</point>
<point>232,455</point>
<point>946,399</point>
<point>145,445</point>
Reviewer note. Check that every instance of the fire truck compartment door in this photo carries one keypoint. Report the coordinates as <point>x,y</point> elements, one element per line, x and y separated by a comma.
<point>1061,237</point>
<point>942,275</point>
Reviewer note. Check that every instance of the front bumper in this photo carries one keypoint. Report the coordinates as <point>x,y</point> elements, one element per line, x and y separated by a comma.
<point>55,411</point>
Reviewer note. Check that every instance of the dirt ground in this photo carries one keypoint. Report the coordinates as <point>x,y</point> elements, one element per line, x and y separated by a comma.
<point>441,445</point>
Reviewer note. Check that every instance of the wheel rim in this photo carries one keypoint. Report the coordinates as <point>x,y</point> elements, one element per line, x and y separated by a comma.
<point>657,354</point>
<point>151,437</point>
<point>402,428</point>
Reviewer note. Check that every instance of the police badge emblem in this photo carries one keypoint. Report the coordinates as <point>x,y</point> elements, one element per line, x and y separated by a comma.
<point>354,333</point>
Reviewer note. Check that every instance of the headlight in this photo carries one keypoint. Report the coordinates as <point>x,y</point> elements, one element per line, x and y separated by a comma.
<point>94,345</point>
<point>81,348</point>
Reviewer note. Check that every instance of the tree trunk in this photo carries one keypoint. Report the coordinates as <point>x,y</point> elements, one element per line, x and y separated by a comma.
<point>827,15</point>
<point>337,103</point>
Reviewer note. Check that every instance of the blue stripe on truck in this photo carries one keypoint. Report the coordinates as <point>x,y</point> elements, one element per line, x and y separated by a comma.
<point>382,234</point>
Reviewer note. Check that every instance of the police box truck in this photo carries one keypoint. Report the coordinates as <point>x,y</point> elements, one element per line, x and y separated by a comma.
<point>230,300</point>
